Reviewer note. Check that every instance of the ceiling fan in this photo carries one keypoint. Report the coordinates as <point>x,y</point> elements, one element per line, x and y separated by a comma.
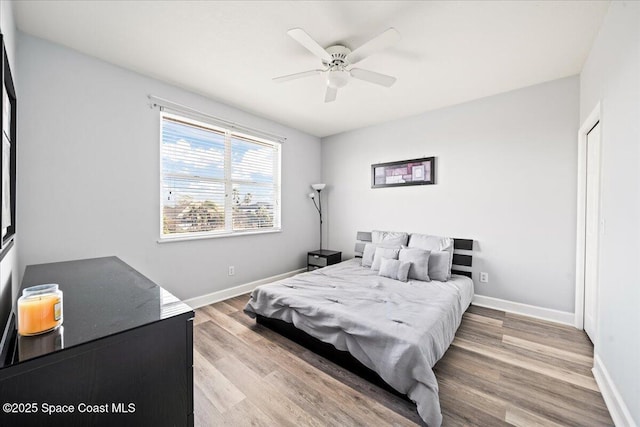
<point>337,61</point>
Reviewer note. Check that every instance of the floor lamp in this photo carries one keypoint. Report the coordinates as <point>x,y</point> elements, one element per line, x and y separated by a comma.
<point>318,205</point>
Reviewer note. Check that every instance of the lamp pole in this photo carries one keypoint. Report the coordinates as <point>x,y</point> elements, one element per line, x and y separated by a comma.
<point>320,212</point>
<point>318,188</point>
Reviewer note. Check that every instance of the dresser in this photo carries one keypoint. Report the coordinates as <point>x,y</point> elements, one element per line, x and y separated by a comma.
<point>123,355</point>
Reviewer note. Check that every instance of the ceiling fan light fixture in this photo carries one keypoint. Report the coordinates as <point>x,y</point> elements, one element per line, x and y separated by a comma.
<point>338,78</point>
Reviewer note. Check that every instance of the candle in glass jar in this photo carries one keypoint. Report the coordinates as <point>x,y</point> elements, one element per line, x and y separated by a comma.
<point>39,309</point>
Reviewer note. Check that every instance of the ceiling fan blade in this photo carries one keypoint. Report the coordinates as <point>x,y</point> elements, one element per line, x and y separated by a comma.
<point>330,95</point>
<point>296,76</point>
<point>373,77</point>
<point>388,38</point>
<point>299,35</point>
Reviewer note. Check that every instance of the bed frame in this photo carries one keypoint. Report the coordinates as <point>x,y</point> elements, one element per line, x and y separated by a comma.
<point>462,258</point>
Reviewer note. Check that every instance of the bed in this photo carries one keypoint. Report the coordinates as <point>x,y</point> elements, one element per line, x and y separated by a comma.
<point>398,330</point>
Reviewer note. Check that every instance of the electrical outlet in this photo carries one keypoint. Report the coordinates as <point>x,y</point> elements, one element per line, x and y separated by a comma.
<point>484,277</point>
<point>232,270</point>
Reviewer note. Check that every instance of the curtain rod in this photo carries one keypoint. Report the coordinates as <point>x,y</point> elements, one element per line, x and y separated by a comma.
<point>174,106</point>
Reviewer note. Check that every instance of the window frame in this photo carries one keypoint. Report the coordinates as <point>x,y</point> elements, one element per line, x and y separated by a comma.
<point>227,180</point>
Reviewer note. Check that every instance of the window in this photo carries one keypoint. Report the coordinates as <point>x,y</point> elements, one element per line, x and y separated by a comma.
<point>215,181</point>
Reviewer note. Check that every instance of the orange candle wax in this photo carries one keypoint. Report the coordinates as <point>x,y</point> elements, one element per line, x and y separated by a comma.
<point>40,310</point>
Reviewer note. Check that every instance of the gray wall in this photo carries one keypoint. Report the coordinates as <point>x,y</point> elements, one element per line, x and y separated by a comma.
<point>506,178</point>
<point>611,76</point>
<point>88,180</point>
<point>9,32</point>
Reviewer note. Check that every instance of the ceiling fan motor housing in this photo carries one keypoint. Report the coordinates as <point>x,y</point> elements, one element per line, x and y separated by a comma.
<point>339,55</point>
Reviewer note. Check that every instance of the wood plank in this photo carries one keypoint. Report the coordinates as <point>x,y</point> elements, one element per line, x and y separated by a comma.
<point>321,402</point>
<point>230,325</point>
<point>549,351</point>
<point>486,312</point>
<point>479,333</point>
<point>244,413</point>
<point>469,368</point>
<point>544,328</point>
<point>469,415</point>
<point>231,345</point>
<point>520,362</point>
<point>200,317</point>
<point>238,302</point>
<point>476,318</point>
<point>218,389</point>
<point>270,400</point>
<point>225,308</point>
<point>554,399</point>
<point>479,399</point>
<point>521,418</point>
<point>205,344</point>
<point>205,412</point>
<point>549,339</point>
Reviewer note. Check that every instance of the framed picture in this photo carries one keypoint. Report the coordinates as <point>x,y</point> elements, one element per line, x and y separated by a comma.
<point>402,173</point>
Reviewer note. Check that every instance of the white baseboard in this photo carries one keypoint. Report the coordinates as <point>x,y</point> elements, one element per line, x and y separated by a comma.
<point>549,314</point>
<point>224,294</point>
<point>617,409</point>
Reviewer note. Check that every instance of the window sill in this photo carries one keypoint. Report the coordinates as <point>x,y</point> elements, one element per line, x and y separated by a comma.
<point>183,238</point>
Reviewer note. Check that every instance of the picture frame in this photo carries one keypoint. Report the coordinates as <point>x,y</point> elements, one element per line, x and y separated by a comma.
<point>404,173</point>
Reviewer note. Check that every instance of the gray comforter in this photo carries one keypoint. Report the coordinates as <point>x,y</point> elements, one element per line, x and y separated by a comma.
<point>399,330</point>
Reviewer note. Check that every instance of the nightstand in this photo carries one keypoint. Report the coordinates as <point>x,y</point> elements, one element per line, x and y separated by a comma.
<point>322,258</point>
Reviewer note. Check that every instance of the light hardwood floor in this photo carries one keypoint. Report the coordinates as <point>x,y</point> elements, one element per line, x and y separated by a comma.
<point>502,369</point>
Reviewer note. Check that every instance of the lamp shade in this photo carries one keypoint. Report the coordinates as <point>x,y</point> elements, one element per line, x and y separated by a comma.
<point>318,187</point>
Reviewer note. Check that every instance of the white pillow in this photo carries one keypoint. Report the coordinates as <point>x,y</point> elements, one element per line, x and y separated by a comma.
<point>382,252</point>
<point>419,259</point>
<point>367,254</point>
<point>433,244</point>
<point>394,269</point>
<point>389,237</point>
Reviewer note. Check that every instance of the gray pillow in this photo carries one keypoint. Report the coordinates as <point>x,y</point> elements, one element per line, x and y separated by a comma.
<point>403,270</point>
<point>390,238</point>
<point>439,265</point>
<point>382,252</point>
<point>370,250</point>
<point>433,243</point>
<point>394,269</point>
<point>419,259</point>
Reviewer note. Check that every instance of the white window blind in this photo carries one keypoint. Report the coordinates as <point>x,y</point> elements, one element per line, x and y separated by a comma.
<point>215,181</point>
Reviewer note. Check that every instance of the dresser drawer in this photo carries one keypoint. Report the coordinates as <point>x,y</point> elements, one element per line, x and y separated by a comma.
<point>317,260</point>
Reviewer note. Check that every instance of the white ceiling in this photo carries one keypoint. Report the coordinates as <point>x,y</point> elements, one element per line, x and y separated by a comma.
<point>450,51</point>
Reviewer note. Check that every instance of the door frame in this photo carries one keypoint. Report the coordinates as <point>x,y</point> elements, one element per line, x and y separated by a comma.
<point>584,130</point>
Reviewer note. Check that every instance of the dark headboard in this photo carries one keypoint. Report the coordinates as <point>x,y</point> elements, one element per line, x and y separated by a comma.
<point>462,252</point>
